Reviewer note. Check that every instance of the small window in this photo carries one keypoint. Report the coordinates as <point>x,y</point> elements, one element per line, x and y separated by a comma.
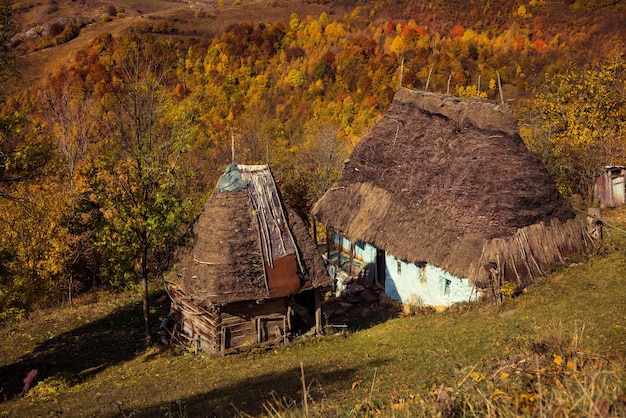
<point>446,287</point>
<point>422,267</point>
<point>399,267</point>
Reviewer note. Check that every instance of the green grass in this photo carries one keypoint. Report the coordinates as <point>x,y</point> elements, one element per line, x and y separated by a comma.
<point>559,347</point>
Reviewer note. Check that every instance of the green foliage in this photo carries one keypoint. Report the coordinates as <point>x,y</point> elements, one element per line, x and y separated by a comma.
<point>136,178</point>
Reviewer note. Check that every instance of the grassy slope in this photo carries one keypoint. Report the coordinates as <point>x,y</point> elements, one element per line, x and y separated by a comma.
<point>407,356</point>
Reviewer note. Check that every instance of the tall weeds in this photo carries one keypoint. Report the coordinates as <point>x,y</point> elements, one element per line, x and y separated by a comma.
<point>549,374</point>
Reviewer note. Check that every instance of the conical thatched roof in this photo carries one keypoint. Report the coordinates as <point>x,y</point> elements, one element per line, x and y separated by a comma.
<point>233,241</point>
<point>438,178</point>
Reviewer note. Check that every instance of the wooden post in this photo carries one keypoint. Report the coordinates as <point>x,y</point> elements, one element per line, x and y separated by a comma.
<point>232,145</point>
<point>351,258</point>
<point>318,311</point>
<point>289,309</point>
<point>594,223</point>
<point>428,79</point>
<point>329,238</point>
<point>500,88</point>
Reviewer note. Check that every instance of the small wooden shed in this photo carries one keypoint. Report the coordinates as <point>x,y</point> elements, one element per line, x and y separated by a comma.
<point>608,187</point>
<point>250,262</point>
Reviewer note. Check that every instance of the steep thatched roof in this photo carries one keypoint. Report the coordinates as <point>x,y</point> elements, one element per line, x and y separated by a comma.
<point>231,244</point>
<point>438,178</point>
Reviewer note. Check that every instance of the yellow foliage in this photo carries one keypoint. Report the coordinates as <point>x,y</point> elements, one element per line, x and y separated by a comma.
<point>470,91</point>
<point>334,32</point>
<point>571,364</point>
<point>522,12</point>
<point>477,377</point>
<point>398,45</point>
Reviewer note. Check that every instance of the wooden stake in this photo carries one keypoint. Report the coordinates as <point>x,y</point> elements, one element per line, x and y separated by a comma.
<point>232,145</point>
<point>318,311</point>
<point>448,89</point>
<point>500,88</point>
<point>401,71</point>
<point>428,80</point>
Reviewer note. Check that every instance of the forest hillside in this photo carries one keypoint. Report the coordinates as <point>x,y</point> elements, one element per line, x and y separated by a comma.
<point>117,117</point>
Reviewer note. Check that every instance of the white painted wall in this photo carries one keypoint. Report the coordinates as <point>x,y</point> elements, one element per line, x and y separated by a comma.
<point>432,287</point>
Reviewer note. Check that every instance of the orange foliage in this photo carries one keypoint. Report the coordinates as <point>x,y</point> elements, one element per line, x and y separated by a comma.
<point>541,45</point>
<point>370,101</point>
<point>457,31</point>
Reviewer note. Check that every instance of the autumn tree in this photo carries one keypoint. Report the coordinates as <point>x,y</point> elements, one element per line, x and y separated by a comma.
<point>136,178</point>
<point>319,160</point>
<point>69,113</point>
<point>575,124</point>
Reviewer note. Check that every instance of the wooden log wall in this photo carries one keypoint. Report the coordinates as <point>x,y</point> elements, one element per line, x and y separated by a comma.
<point>221,330</point>
<point>195,325</point>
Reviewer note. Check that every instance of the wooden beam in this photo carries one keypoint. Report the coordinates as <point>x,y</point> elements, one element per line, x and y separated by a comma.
<point>351,258</point>
<point>318,311</point>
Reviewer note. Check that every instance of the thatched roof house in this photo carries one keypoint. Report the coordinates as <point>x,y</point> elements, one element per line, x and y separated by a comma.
<point>250,254</point>
<point>447,182</point>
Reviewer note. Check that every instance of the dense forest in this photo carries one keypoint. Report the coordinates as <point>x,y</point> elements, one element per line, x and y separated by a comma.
<point>106,162</point>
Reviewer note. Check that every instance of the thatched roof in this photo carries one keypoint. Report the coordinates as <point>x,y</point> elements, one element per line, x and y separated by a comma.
<point>437,179</point>
<point>231,243</point>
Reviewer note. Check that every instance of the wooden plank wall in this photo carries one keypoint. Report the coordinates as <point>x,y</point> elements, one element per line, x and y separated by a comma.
<point>231,327</point>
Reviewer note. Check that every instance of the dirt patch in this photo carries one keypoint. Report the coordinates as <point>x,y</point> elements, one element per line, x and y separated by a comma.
<point>358,307</point>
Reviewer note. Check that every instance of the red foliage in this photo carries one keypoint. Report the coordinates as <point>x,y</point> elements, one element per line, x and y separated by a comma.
<point>180,91</point>
<point>457,31</point>
<point>420,31</point>
<point>541,45</point>
<point>303,110</point>
<point>370,101</point>
<point>340,96</point>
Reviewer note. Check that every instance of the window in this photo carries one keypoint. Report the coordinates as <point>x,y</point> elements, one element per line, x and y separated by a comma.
<point>445,284</point>
<point>422,267</point>
<point>399,267</point>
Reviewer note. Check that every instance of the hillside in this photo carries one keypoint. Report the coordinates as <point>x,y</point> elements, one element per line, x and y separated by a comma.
<point>201,19</point>
<point>598,22</point>
<point>125,114</point>
<point>558,349</point>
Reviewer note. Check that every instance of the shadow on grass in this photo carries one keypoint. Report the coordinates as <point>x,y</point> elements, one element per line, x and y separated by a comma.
<point>80,353</point>
<point>248,397</point>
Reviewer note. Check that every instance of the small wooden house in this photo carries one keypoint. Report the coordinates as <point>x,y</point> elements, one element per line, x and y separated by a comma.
<point>441,201</point>
<point>608,187</point>
<point>250,261</point>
